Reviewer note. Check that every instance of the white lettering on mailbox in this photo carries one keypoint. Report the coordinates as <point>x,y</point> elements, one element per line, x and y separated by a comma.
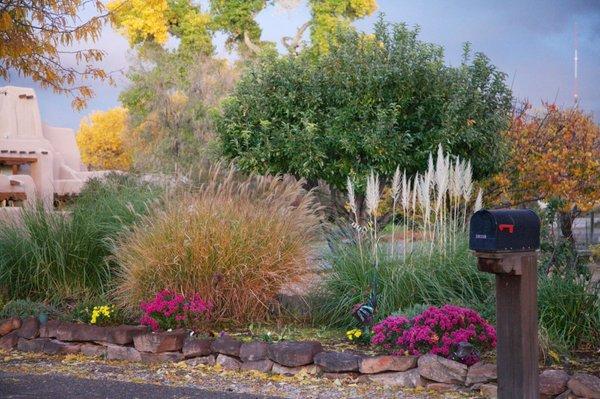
<point>480,236</point>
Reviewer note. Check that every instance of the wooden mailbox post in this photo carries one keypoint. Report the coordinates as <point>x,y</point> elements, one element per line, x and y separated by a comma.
<point>505,244</point>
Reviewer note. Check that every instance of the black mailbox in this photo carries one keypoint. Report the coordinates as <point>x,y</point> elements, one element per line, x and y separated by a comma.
<point>504,230</point>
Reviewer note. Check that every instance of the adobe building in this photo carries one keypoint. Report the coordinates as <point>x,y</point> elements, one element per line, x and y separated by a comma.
<point>36,160</point>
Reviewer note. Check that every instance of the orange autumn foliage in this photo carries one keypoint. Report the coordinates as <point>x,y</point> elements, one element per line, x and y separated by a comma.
<point>554,154</point>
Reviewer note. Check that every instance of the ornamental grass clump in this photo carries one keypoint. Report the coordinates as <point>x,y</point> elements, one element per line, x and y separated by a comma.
<point>452,332</point>
<point>236,241</point>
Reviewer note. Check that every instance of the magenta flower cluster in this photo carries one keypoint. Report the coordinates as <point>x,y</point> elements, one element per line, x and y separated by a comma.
<point>440,331</point>
<point>169,309</point>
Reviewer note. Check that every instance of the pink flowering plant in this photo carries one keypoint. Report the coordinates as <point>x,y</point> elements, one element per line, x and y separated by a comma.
<point>169,309</point>
<point>452,332</point>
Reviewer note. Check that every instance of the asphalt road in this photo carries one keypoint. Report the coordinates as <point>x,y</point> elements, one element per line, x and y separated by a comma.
<point>29,386</point>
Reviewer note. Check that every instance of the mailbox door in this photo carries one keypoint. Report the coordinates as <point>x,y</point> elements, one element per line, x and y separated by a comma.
<point>483,232</point>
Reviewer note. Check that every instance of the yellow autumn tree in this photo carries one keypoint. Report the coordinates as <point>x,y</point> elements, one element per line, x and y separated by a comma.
<point>100,140</point>
<point>555,154</point>
<point>37,39</point>
<point>141,20</point>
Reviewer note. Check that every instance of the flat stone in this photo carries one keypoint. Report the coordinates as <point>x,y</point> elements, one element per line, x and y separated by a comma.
<point>123,335</point>
<point>378,364</point>
<point>405,379</point>
<point>9,341</point>
<point>441,387</point>
<point>50,329</point>
<point>9,325</point>
<point>155,342</point>
<point>54,347</point>
<point>226,345</point>
<point>337,362</point>
<point>162,357</point>
<point>93,350</point>
<point>439,369</point>
<point>31,345</point>
<point>228,362</point>
<point>481,373</point>
<point>118,352</point>
<point>201,360</point>
<point>264,365</point>
<point>194,347</point>
<point>294,354</point>
<point>342,376</point>
<point>585,385</point>
<point>82,332</point>
<point>291,371</point>
<point>253,351</point>
<point>553,382</point>
<point>30,328</point>
<point>489,391</point>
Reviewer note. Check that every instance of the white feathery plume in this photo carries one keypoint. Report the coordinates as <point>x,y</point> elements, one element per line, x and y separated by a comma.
<point>467,183</point>
<point>372,199</point>
<point>351,196</point>
<point>478,201</point>
<point>396,184</point>
<point>405,192</point>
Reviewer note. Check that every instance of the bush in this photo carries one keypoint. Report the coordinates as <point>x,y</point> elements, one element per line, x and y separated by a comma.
<point>445,331</point>
<point>370,103</point>
<point>569,310</point>
<point>47,255</point>
<point>169,310</point>
<point>422,278</point>
<point>236,242</point>
<point>25,308</point>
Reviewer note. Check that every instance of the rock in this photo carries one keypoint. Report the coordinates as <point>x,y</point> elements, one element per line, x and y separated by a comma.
<point>53,347</point>
<point>441,387</point>
<point>378,364</point>
<point>155,342</point>
<point>585,385</point>
<point>194,347</point>
<point>31,345</point>
<point>264,365</point>
<point>226,345</point>
<point>117,352</point>
<point>439,369</point>
<point>162,357</point>
<point>204,360</point>
<point>124,335</point>
<point>9,341</point>
<point>228,362</point>
<point>93,350</point>
<point>291,371</point>
<point>566,395</point>
<point>481,373</point>
<point>553,382</point>
<point>253,351</point>
<point>30,328</point>
<point>489,391</point>
<point>337,362</point>
<point>405,379</point>
<point>9,325</point>
<point>50,329</point>
<point>341,376</point>
<point>82,332</point>
<point>294,354</point>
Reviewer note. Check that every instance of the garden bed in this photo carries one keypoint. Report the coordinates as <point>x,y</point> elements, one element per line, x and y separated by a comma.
<point>139,344</point>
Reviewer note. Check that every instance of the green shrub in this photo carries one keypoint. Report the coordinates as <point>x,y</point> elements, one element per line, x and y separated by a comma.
<point>26,308</point>
<point>46,255</point>
<point>233,242</point>
<point>432,280</point>
<point>569,310</point>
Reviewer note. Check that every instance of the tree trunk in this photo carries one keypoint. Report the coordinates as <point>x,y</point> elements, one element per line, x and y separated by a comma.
<point>566,225</point>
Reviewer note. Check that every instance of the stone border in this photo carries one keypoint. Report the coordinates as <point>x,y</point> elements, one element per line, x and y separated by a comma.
<point>137,343</point>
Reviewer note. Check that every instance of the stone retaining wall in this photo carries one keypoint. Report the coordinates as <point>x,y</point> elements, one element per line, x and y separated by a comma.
<point>137,343</point>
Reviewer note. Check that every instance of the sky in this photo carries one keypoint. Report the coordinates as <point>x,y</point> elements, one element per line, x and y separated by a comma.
<point>531,41</point>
